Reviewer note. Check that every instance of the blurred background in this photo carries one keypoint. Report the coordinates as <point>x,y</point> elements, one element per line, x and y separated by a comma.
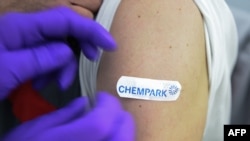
<point>241,74</point>
<point>244,4</point>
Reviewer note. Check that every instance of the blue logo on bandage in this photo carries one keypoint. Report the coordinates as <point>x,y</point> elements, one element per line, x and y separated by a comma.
<point>173,89</point>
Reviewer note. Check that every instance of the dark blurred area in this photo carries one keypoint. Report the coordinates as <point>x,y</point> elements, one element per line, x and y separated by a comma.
<point>241,74</point>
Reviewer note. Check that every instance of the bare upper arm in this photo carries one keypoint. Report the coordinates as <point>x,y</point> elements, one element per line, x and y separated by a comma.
<point>161,39</point>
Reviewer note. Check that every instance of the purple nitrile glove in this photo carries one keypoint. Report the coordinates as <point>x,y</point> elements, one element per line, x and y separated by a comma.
<point>106,122</point>
<point>33,45</point>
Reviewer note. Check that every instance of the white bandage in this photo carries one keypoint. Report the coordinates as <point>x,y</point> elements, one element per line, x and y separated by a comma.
<point>148,89</point>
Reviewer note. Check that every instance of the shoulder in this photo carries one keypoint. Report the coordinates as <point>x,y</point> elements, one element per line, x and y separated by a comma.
<point>160,40</point>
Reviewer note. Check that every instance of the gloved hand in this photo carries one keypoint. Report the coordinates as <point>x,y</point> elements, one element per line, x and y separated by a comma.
<point>106,122</point>
<point>33,46</point>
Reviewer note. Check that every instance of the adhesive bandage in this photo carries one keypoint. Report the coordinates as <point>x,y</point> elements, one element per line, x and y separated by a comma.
<point>148,89</point>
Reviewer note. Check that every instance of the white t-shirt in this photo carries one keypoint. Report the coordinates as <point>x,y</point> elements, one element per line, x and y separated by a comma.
<point>221,47</point>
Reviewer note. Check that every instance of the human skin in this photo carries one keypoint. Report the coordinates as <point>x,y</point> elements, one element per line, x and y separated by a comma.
<point>87,8</point>
<point>160,40</point>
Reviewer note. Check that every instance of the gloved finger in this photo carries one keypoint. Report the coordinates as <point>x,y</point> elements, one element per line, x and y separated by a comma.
<point>97,125</point>
<point>73,110</point>
<point>105,101</point>
<point>67,75</point>
<point>41,60</point>
<point>125,130</point>
<point>34,62</point>
<point>56,23</point>
<point>49,121</point>
<point>90,51</point>
<point>100,121</point>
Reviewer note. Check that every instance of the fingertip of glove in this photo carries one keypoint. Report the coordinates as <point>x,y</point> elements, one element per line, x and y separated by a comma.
<point>128,117</point>
<point>63,85</point>
<point>110,43</point>
<point>102,94</point>
<point>107,99</point>
<point>79,102</point>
